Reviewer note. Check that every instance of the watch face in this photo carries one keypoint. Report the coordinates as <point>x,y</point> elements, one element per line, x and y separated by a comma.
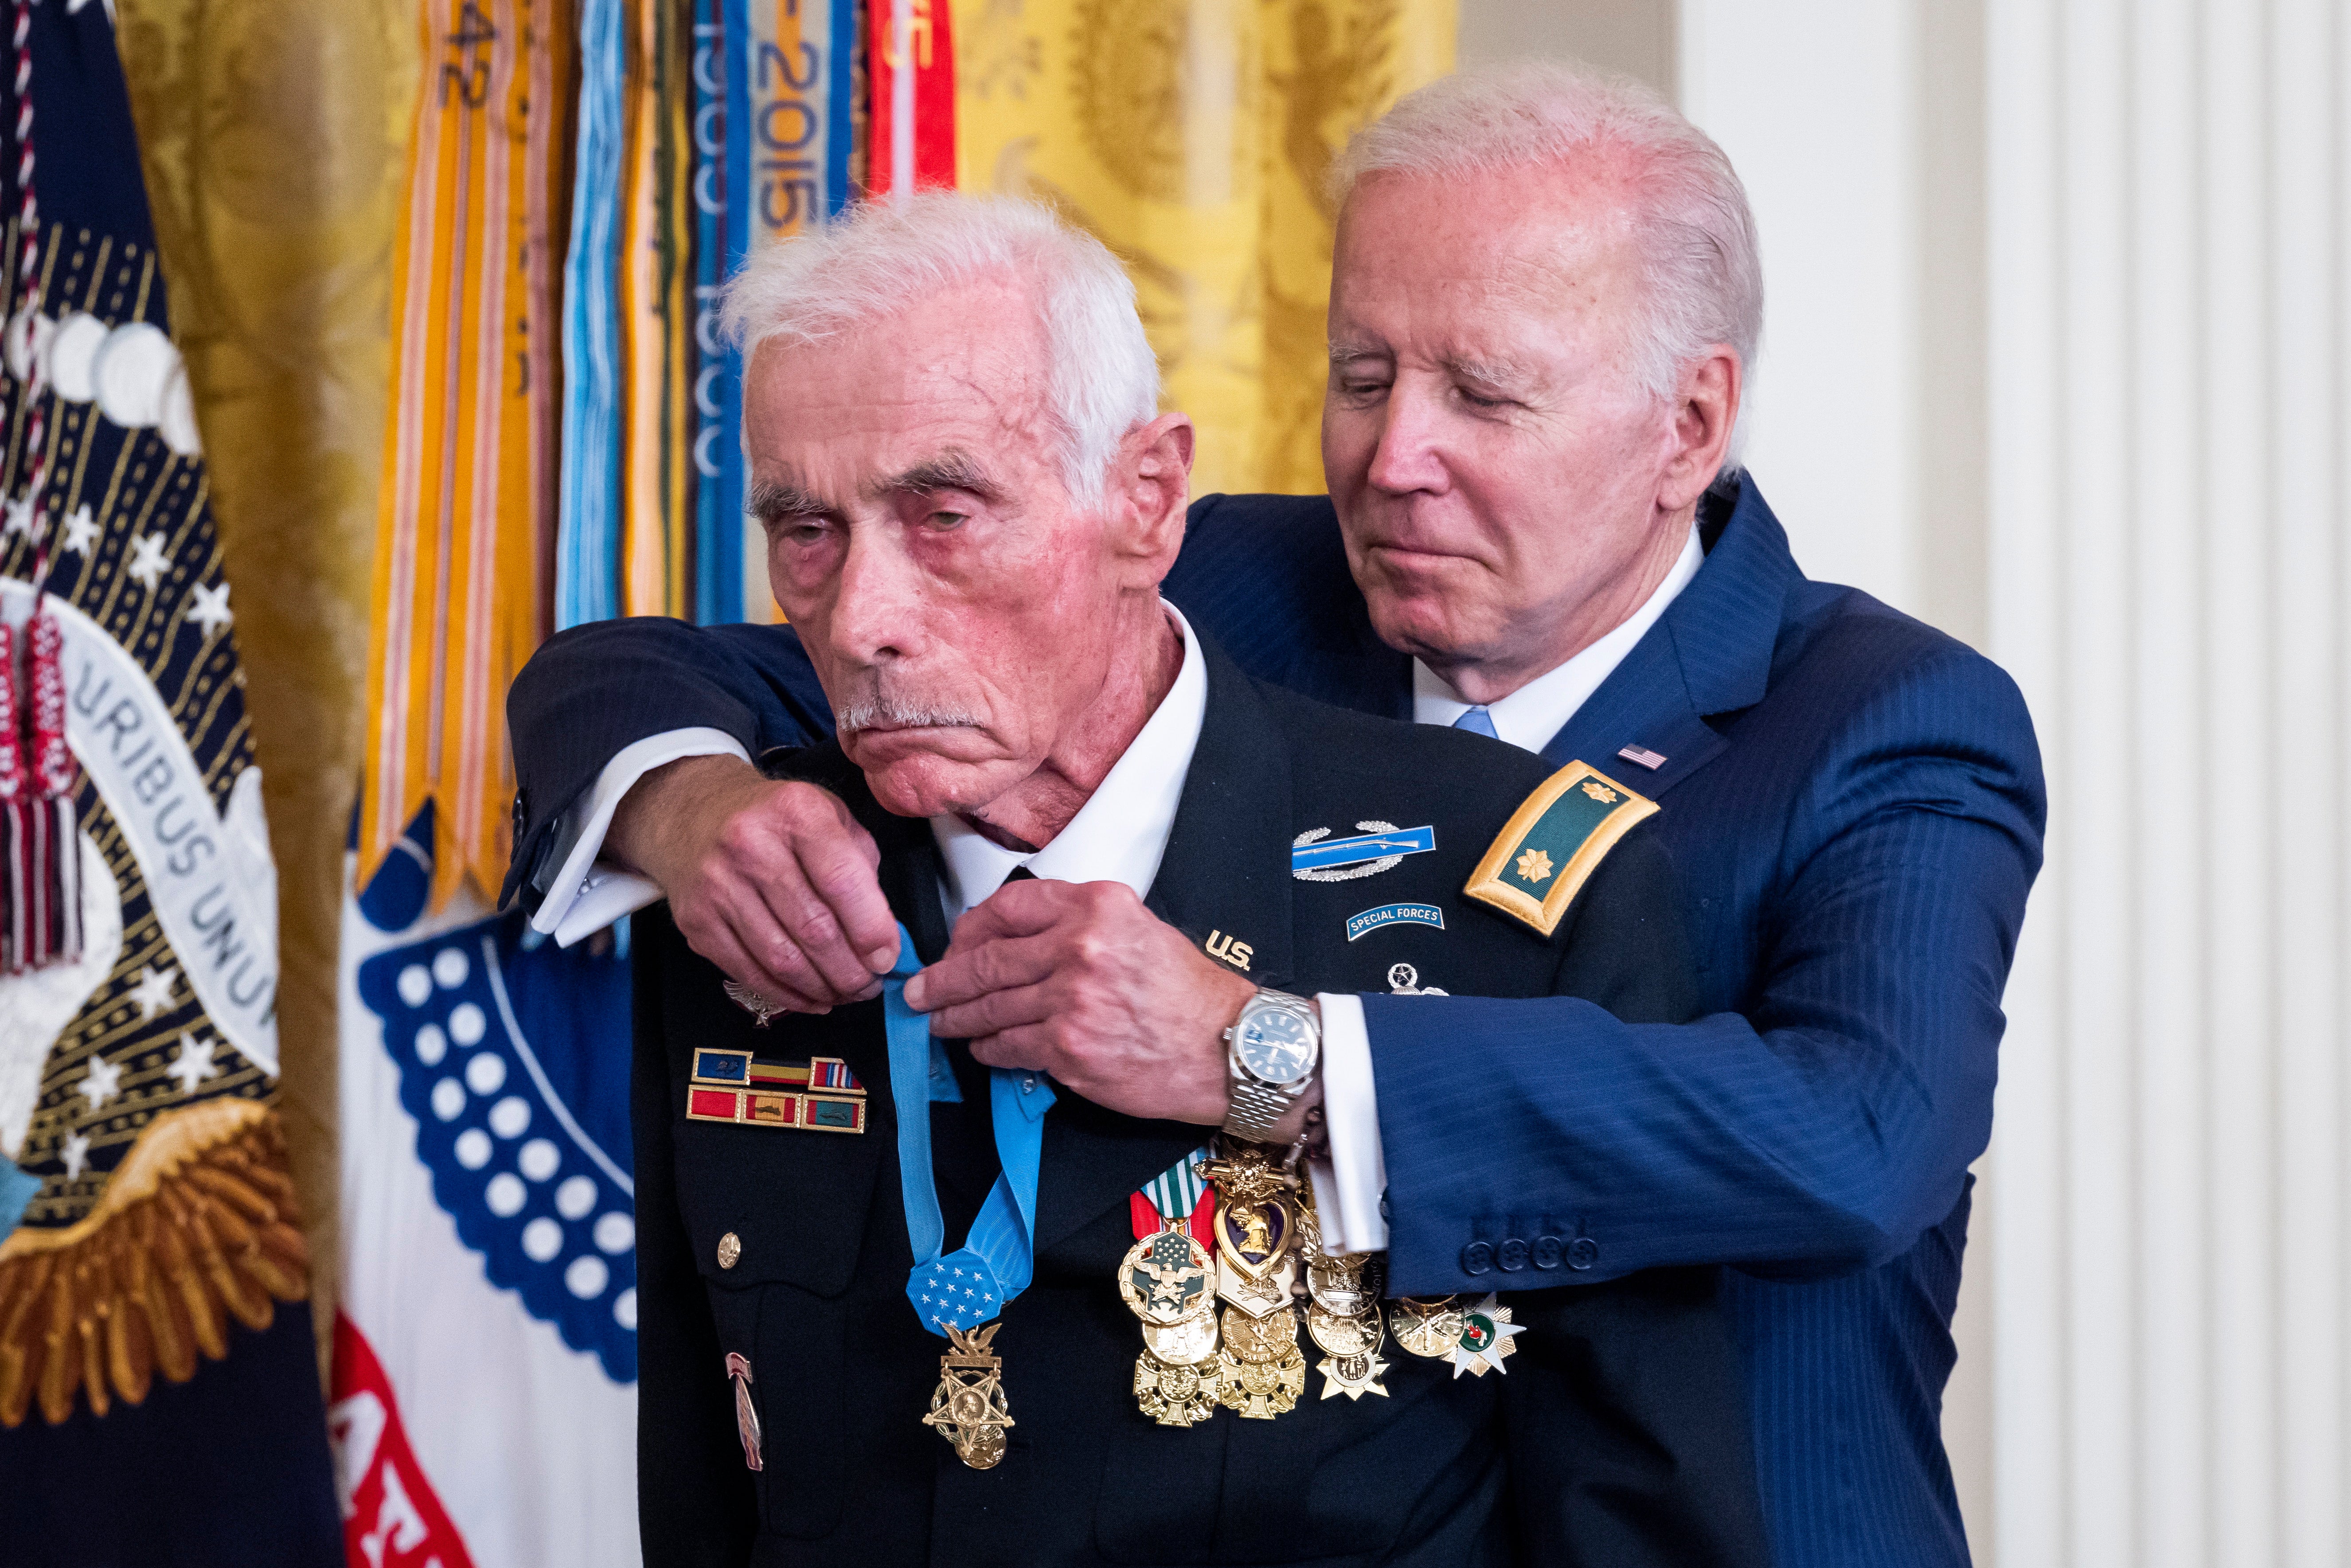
<point>1276,1046</point>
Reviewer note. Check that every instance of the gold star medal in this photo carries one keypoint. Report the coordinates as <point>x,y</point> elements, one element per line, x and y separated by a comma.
<point>968,1408</point>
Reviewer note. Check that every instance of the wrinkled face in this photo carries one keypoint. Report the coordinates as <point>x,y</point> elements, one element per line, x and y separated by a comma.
<point>957,606</point>
<point>1493,455</point>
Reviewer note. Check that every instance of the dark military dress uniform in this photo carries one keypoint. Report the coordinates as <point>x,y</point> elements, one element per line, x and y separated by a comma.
<point>1616,1435</point>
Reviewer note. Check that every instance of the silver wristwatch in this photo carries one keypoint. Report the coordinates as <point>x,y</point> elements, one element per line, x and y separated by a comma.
<point>1273,1049</point>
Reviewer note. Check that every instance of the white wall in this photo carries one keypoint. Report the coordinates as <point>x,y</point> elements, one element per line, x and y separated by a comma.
<point>2169,204</point>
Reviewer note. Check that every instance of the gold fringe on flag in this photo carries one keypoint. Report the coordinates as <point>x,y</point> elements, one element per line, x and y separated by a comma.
<point>467,512</point>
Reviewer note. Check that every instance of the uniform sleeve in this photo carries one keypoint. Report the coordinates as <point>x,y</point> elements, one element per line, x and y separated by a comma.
<point>590,694</point>
<point>1821,1129</point>
<point>695,1501</point>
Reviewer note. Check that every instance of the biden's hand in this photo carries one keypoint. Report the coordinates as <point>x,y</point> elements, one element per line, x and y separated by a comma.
<point>1080,980</point>
<point>775,882</point>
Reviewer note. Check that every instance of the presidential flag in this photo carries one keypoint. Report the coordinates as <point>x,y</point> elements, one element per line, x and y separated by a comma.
<point>159,1397</point>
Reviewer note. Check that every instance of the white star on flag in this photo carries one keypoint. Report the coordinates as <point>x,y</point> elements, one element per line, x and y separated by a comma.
<point>104,1083</point>
<point>210,611</point>
<point>193,1064</point>
<point>81,531</point>
<point>76,1155</point>
<point>153,991</point>
<point>20,517</point>
<point>148,561</point>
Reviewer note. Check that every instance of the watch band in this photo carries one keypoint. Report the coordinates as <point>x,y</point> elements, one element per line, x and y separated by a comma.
<point>1255,1108</point>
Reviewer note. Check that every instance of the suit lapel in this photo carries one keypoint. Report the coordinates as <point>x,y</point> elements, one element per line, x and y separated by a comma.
<point>1226,870</point>
<point>1709,654</point>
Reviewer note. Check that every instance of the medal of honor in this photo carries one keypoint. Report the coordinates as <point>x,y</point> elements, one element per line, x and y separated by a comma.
<point>1426,1326</point>
<point>968,1408</point>
<point>1484,1339</point>
<point>1167,1279</point>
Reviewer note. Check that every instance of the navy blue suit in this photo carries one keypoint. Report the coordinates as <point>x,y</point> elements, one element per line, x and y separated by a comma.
<point>1855,804</point>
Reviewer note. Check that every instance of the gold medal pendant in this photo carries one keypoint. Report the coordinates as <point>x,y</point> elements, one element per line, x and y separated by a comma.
<point>1262,1390</point>
<point>1260,1373</point>
<point>968,1408</point>
<point>1428,1326</point>
<point>1186,1343</point>
<point>1179,1394</point>
<point>1167,1278</point>
<point>1352,1375</point>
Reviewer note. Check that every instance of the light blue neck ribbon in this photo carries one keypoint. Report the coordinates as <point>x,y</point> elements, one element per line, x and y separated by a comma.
<point>977,1280</point>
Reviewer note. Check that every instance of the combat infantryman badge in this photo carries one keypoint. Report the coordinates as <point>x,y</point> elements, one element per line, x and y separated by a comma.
<point>968,1408</point>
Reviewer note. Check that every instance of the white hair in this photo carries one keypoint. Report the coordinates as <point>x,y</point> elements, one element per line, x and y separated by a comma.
<point>1697,237</point>
<point>877,257</point>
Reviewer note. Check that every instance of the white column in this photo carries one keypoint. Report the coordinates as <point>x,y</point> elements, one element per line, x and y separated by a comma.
<point>2169,202</point>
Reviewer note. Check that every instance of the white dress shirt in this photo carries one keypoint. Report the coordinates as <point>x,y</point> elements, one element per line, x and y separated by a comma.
<point>1120,835</point>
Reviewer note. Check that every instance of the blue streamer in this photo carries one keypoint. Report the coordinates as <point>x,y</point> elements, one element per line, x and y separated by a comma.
<point>588,525</point>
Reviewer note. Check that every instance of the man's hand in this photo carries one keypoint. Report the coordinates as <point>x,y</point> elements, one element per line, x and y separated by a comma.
<point>774,883</point>
<point>1078,980</point>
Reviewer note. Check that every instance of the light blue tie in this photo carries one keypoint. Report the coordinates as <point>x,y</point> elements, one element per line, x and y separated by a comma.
<point>1477,721</point>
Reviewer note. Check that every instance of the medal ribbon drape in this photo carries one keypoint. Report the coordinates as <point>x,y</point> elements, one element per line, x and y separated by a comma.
<point>588,531</point>
<point>975,1282</point>
<point>466,509</point>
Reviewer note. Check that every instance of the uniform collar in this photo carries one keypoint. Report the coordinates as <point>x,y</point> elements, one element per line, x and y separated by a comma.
<point>1537,711</point>
<point>1120,834</point>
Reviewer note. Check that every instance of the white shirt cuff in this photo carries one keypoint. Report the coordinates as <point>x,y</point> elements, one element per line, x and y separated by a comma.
<point>1349,1186</point>
<point>588,894</point>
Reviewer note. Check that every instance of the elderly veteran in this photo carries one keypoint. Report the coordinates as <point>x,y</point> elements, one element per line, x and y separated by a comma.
<point>1545,307</point>
<point>897,1307</point>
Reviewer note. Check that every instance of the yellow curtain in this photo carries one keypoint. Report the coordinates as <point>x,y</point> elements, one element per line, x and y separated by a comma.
<point>1192,137</point>
<point>271,134</point>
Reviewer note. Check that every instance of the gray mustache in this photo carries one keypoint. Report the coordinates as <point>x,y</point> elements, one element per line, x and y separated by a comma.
<point>899,713</point>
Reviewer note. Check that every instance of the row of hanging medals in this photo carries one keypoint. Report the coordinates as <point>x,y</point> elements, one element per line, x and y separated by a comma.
<point>1268,1270</point>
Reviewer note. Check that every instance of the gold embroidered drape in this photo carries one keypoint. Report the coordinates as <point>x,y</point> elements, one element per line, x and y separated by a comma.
<point>1192,137</point>
<point>271,131</point>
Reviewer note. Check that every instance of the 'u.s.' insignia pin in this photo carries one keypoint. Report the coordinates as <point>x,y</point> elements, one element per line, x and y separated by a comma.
<point>1552,843</point>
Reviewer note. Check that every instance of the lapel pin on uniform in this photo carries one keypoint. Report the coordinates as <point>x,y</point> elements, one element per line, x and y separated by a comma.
<point>1652,760</point>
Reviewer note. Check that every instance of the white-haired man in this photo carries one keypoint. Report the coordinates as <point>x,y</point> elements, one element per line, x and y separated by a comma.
<point>1545,302</point>
<point>1044,1343</point>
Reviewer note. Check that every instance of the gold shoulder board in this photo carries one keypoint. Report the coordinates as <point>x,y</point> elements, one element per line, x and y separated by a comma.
<point>1553,841</point>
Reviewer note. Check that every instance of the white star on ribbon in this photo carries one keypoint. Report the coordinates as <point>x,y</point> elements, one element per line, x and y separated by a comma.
<point>193,1064</point>
<point>104,1083</point>
<point>148,561</point>
<point>153,991</point>
<point>81,531</point>
<point>76,1155</point>
<point>211,609</point>
<point>20,517</point>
